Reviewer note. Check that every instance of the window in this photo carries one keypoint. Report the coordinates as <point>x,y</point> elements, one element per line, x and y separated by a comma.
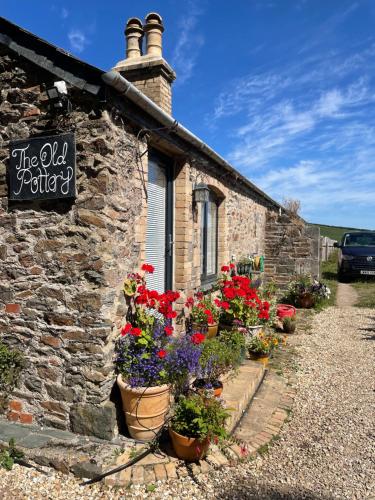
<point>159,223</point>
<point>209,238</point>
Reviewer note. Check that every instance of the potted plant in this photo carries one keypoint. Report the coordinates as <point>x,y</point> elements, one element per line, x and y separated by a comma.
<point>244,266</point>
<point>182,361</point>
<point>289,324</point>
<point>235,340</point>
<point>240,303</point>
<point>306,292</point>
<point>214,361</point>
<point>141,356</point>
<point>197,420</point>
<point>261,346</point>
<point>204,314</point>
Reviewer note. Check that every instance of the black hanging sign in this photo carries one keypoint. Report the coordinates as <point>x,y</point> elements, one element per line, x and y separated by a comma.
<point>42,168</point>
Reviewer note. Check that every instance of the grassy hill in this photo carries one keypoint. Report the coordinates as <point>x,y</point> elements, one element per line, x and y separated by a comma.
<point>335,232</point>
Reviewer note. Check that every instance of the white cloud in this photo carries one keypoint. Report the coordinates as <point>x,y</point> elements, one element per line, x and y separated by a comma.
<point>78,40</point>
<point>64,13</point>
<point>188,45</point>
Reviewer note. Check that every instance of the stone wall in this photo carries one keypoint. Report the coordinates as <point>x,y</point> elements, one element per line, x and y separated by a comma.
<point>62,263</point>
<point>241,223</point>
<point>292,248</point>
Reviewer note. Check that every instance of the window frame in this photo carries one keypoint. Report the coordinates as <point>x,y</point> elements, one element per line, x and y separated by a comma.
<point>209,279</point>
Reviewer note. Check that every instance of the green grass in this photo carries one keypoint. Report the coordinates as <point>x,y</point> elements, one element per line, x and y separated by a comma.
<point>329,277</point>
<point>366,293</point>
<point>365,288</point>
<point>335,232</point>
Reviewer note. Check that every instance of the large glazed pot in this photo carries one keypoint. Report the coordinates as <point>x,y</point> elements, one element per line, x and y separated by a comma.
<point>145,408</point>
<point>210,329</point>
<point>189,449</point>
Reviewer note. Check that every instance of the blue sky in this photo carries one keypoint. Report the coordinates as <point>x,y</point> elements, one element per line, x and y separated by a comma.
<point>283,89</point>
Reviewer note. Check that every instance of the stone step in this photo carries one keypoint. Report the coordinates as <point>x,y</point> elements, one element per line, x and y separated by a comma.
<point>239,390</point>
<point>262,408</point>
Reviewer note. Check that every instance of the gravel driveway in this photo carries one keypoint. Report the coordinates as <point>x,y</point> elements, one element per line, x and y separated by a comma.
<point>326,451</point>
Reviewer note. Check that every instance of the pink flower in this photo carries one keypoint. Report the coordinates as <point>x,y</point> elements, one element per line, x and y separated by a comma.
<point>243,450</point>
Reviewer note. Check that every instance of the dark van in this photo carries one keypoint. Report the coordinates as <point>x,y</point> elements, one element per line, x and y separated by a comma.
<point>356,256</point>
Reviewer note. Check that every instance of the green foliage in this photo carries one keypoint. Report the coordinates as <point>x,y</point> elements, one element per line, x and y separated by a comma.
<point>11,364</point>
<point>304,285</point>
<point>328,270</point>
<point>214,360</point>
<point>366,293</point>
<point>198,416</point>
<point>261,344</point>
<point>236,347</point>
<point>205,311</point>
<point>335,232</point>
<point>150,488</point>
<point>289,324</point>
<point>10,455</point>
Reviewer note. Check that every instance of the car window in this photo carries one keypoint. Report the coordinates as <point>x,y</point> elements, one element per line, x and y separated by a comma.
<point>359,240</point>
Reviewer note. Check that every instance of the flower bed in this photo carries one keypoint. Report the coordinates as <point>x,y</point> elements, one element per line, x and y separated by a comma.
<point>152,362</point>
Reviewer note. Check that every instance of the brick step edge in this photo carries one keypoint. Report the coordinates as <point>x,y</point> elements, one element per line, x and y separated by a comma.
<point>216,458</point>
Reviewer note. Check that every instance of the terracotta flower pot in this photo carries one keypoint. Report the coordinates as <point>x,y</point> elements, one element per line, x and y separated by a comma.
<point>200,383</point>
<point>189,449</point>
<point>306,300</point>
<point>145,408</point>
<point>211,329</point>
<point>259,358</point>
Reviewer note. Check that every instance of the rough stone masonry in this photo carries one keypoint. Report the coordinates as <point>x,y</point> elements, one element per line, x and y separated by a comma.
<point>60,261</point>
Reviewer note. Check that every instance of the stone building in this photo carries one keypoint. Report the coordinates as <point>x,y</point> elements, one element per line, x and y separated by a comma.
<point>138,176</point>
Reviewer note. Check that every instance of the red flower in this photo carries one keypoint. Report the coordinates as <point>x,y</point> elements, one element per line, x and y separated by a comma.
<point>224,305</point>
<point>197,338</point>
<point>148,268</point>
<point>189,302</point>
<point>161,354</point>
<point>199,295</point>
<point>126,329</point>
<point>136,332</point>
<point>229,293</point>
<point>225,269</point>
<point>168,330</point>
<point>264,315</point>
<point>232,266</point>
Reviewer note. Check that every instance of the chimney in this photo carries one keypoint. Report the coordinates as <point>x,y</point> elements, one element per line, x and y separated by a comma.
<point>134,35</point>
<point>150,73</point>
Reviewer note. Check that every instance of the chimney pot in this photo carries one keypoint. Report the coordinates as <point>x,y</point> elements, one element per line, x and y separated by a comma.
<point>154,29</point>
<point>134,35</point>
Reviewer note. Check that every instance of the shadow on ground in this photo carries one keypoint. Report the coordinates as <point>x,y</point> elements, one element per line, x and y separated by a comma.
<point>249,490</point>
<point>370,332</point>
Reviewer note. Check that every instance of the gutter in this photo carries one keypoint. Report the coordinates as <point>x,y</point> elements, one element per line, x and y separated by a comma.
<point>124,87</point>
